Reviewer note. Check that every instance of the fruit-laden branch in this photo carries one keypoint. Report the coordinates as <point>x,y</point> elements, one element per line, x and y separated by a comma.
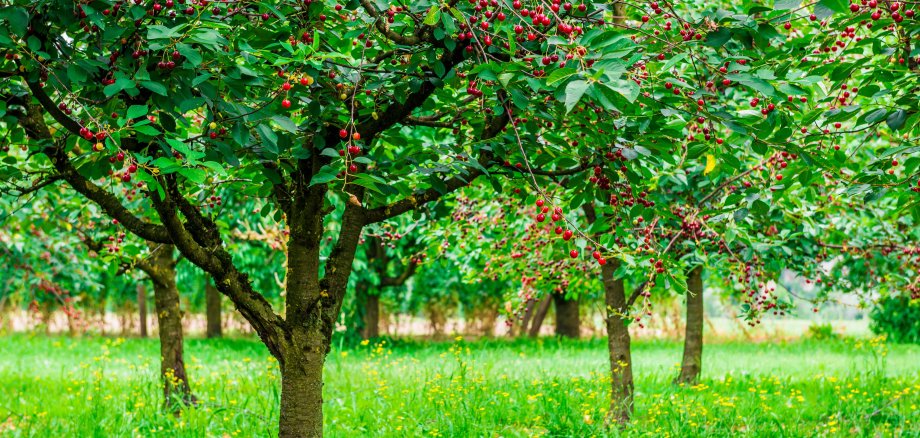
<point>636,293</point>
<point>554,173</point>
<point>218,263</point>
<point>34,124</point>
<point>384,28</point>
<point>423,121</point>
<point>69,124</point>
<point>143,263</point>
<point>40,183</point>
<point>398,112</point>
<point>492,128</point>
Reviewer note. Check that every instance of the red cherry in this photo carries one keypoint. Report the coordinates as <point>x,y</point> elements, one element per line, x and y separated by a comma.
<point>573,253</point>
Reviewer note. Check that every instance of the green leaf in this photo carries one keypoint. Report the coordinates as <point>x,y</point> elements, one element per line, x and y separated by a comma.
<point>326,173</point>
<point>136,111</point>
<point>120,84</point>
<point>627,88</point>
<point>560,75</point>
<point>194,174</point>
<point>719,37</point>
<point>783,5</point>
<point>740,214</point>
<point>147,129</point>
<point>18,18</point>
<point>75,73</point>
<point>841,6</point>
<point>191,55</point>
<point>756,83</point>
<point>573,93</point>
<point>240,134</point>
<point>876,115</point>
<point>156,87</point>
<point>158,32</point>
<point>433,16</point>
<point>896,120</point>
<point>285,123</point>
<point>269,138</point>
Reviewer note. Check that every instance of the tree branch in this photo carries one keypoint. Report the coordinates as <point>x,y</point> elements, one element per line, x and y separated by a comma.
<point>34,124</point>
<point>493,128</point>
<point>217,262</point>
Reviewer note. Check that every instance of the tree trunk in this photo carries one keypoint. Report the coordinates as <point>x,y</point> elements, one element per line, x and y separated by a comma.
<point>302,396</point>
<point>568,320</point>
<point>693,340</point>
<point>212,311</point>
<point>540,316</point>
<point>371,317</point>
<point>169,320</point>
<point>619,347</point>
<point>142,309</point>
<point>525,319</point>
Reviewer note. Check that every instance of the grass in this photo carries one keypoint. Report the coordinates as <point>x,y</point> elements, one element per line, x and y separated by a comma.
<point>106,387</point>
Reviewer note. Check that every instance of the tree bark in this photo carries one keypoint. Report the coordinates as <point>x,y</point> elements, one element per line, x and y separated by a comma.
<point>693,339</point>
<point>525,318</point>
<point>212,311</point>
<point>619,347</point>
<point>162,271</point>
<point>302,396</point>
<point>142,309</point>
<point>540,316</point>
<point>568,320</point>
<point>371,317</point>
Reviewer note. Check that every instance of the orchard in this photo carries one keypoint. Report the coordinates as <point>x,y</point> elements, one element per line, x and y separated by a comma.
<point>462,218</point>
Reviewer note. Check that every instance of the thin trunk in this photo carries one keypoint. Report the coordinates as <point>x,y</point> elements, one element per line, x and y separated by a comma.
<point>693,340</point>
<point>142,309</point>
<point>371,317</point>
<point>540,316</point>
<point>212,311</point>
<point>619,347</point>
<point>568,320</point>
<point>169,320</point>
<point>302,396</point>
<point>525,320</point>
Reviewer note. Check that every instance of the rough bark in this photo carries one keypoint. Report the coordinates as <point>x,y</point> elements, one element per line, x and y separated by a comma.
<point>302,396</point>
<point>693,339</point>
<point>540,316</point>
<point>371,317</point>
<point>619,347</point>
<point>212,311</point>
<point>142,310</point>
<point>568,319</point>
<point>161,267</point>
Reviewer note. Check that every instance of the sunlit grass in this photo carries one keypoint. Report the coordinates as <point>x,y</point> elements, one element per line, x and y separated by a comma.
<point>109,387</point>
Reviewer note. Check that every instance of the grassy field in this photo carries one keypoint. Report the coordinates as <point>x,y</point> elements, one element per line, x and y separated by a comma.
<point>107,387</point>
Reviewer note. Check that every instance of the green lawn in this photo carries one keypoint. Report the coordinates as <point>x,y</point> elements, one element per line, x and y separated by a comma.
<point>105,387</point>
